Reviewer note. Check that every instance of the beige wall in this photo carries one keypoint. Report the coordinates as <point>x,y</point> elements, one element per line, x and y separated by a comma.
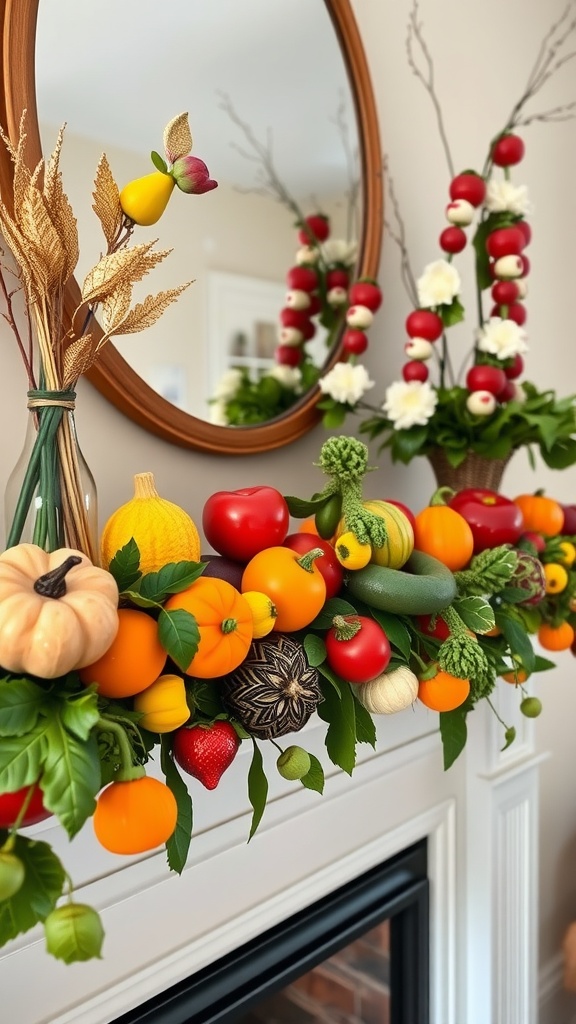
<point>483,54</point>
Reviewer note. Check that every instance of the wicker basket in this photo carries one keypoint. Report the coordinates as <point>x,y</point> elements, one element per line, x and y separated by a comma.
<point>475,471</point>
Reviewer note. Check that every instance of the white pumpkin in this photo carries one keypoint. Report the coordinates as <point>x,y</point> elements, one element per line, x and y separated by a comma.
<point>52,622</point>
<point>389,692</point>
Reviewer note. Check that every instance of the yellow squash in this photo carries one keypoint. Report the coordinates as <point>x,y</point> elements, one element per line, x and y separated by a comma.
<point>163,531</point>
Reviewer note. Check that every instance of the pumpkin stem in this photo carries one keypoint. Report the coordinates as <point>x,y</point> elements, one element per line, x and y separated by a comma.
<point>442,496</point>
<point>128,771</point>
<point>229,625</point>
<point>307,560</point>
<point>53,583</point>
<point>144,486</point>
<point>346,627</point>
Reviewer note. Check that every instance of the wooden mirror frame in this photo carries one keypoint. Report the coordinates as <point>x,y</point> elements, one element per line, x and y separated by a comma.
<point>112,375</point>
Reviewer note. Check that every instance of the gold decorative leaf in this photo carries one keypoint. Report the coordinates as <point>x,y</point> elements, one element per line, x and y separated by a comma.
<point>115,307</point>
<point>125,266</point>
<point>177,137</point>
<point>150,310</point>
<point>78,358</point>
<point>106,204</point>
<point>42,237</point>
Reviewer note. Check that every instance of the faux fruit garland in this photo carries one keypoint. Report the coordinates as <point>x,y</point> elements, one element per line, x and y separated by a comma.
<point>165,653</point>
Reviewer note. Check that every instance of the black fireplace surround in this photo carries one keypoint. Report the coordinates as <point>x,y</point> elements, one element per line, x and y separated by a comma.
<point>225,990</point>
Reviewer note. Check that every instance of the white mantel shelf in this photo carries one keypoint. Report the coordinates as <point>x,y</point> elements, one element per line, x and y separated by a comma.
<point>480,819</point>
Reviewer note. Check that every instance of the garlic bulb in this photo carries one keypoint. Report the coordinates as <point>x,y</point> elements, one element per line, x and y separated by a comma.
<point>390,692</point>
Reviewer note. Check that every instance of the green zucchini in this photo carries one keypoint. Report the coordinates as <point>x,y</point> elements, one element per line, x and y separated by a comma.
<point>423,586</point>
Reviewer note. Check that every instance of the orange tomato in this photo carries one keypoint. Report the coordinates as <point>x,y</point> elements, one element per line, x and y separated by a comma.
<point>556,638</point>
<point>443,533</point>
<point>225,623</point>
<point>541,514</point>
<point>132,817</point>
<point>297,593</point>
<point>309,526</point>
<point>515,677</point>
<point>443,692</point>
<point>134,659</point>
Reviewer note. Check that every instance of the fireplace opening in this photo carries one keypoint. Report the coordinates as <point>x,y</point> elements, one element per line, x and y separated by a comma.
<point>369,937</point>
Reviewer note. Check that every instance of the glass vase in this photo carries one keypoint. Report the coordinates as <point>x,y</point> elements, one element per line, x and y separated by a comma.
<point>50,497</point>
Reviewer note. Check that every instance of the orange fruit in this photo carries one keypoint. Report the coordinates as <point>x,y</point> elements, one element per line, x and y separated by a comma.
<point>134,659</point>
<point>136,816</point>
<point>308,526</point>
<point>515,677</point>
<point>443,692</point>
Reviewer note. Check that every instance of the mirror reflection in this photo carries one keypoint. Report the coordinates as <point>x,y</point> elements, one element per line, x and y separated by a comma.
<point>271,113</point>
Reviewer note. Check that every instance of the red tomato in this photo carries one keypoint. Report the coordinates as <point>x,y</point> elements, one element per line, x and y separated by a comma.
<point>327,563</point>
<point>440,630</point>
<point>364,656</point>
<point>10,804</point>
<point>492,518</point>
<point>239,524</point>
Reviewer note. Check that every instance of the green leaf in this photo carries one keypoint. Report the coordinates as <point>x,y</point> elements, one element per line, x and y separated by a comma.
<point>315,649</point>
<point>395,630</point>
<point>454,733</point>
<point>21,758</point>
<point>509,737</point>
<point>334,606</point>
<point>542,664</point>
<point>518,641</point>
<point>407,443</point>
<point>21,701</point>
<point>365,728</point>
<point>170,579</point>
<point>335,417</point>
<point>339,713</point>
<point>476,613</point>
<point>178,844</point>
<point>314,779</point>
<point>257,788</point>
<point>159,162</point>
<point>43,884</point>
<point>125,566</point>
<point>71,776</point>
<point>179,635</point>
<point>300,508</point>
<point>561,455</point>
<point>80,713</point>
<point>135,597</point>
<point>452,314</point>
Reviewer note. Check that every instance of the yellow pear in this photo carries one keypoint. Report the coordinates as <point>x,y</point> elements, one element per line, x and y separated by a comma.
<point>145,199</point>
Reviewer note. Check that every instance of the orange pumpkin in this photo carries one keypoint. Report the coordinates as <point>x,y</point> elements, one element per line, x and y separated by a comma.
<point>443,533</point>
<point>225,624</point>
<point>541,514</point>
<point>556,638</point>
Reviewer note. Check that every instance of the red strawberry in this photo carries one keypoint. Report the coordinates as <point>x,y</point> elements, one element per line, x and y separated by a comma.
<point>206,751</point>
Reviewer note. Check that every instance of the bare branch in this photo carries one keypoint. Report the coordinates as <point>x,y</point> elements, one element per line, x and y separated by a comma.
<point>398,235</point>
<point>427,78</point>
<point>26,353</point>
<point>271,183</point>
<point>352,193</point>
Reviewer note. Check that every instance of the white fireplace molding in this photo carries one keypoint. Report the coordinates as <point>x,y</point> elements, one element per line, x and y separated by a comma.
<point>480,819</point>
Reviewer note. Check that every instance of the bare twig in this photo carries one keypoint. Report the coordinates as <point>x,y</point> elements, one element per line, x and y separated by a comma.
<point>397,233</point>
<point>427,77</point>
<point>352,193</point>
<point>261,154</point>
<point>548,62</point>
<point>25,352</point>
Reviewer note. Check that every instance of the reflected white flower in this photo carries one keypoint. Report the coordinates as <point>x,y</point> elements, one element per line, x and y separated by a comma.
<point>502,196</point>
<point>228,384</point>
<point>410,403</point>
<point>289,376</point>
<point>218,415</point>
<point>337,250</point>
<point>502,338</point>
<point>346,383</point>
<point>439,284</point>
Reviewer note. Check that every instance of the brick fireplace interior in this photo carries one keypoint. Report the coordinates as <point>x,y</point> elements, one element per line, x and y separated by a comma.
<point>357,956</point>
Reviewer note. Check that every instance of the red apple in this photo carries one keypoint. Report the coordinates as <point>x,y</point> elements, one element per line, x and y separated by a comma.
<point>493,519</point>
<point>239,524</point>
<point>569,526</point>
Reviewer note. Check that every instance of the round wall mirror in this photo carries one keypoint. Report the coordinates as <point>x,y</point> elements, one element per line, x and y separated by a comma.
<point>281,109</point>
